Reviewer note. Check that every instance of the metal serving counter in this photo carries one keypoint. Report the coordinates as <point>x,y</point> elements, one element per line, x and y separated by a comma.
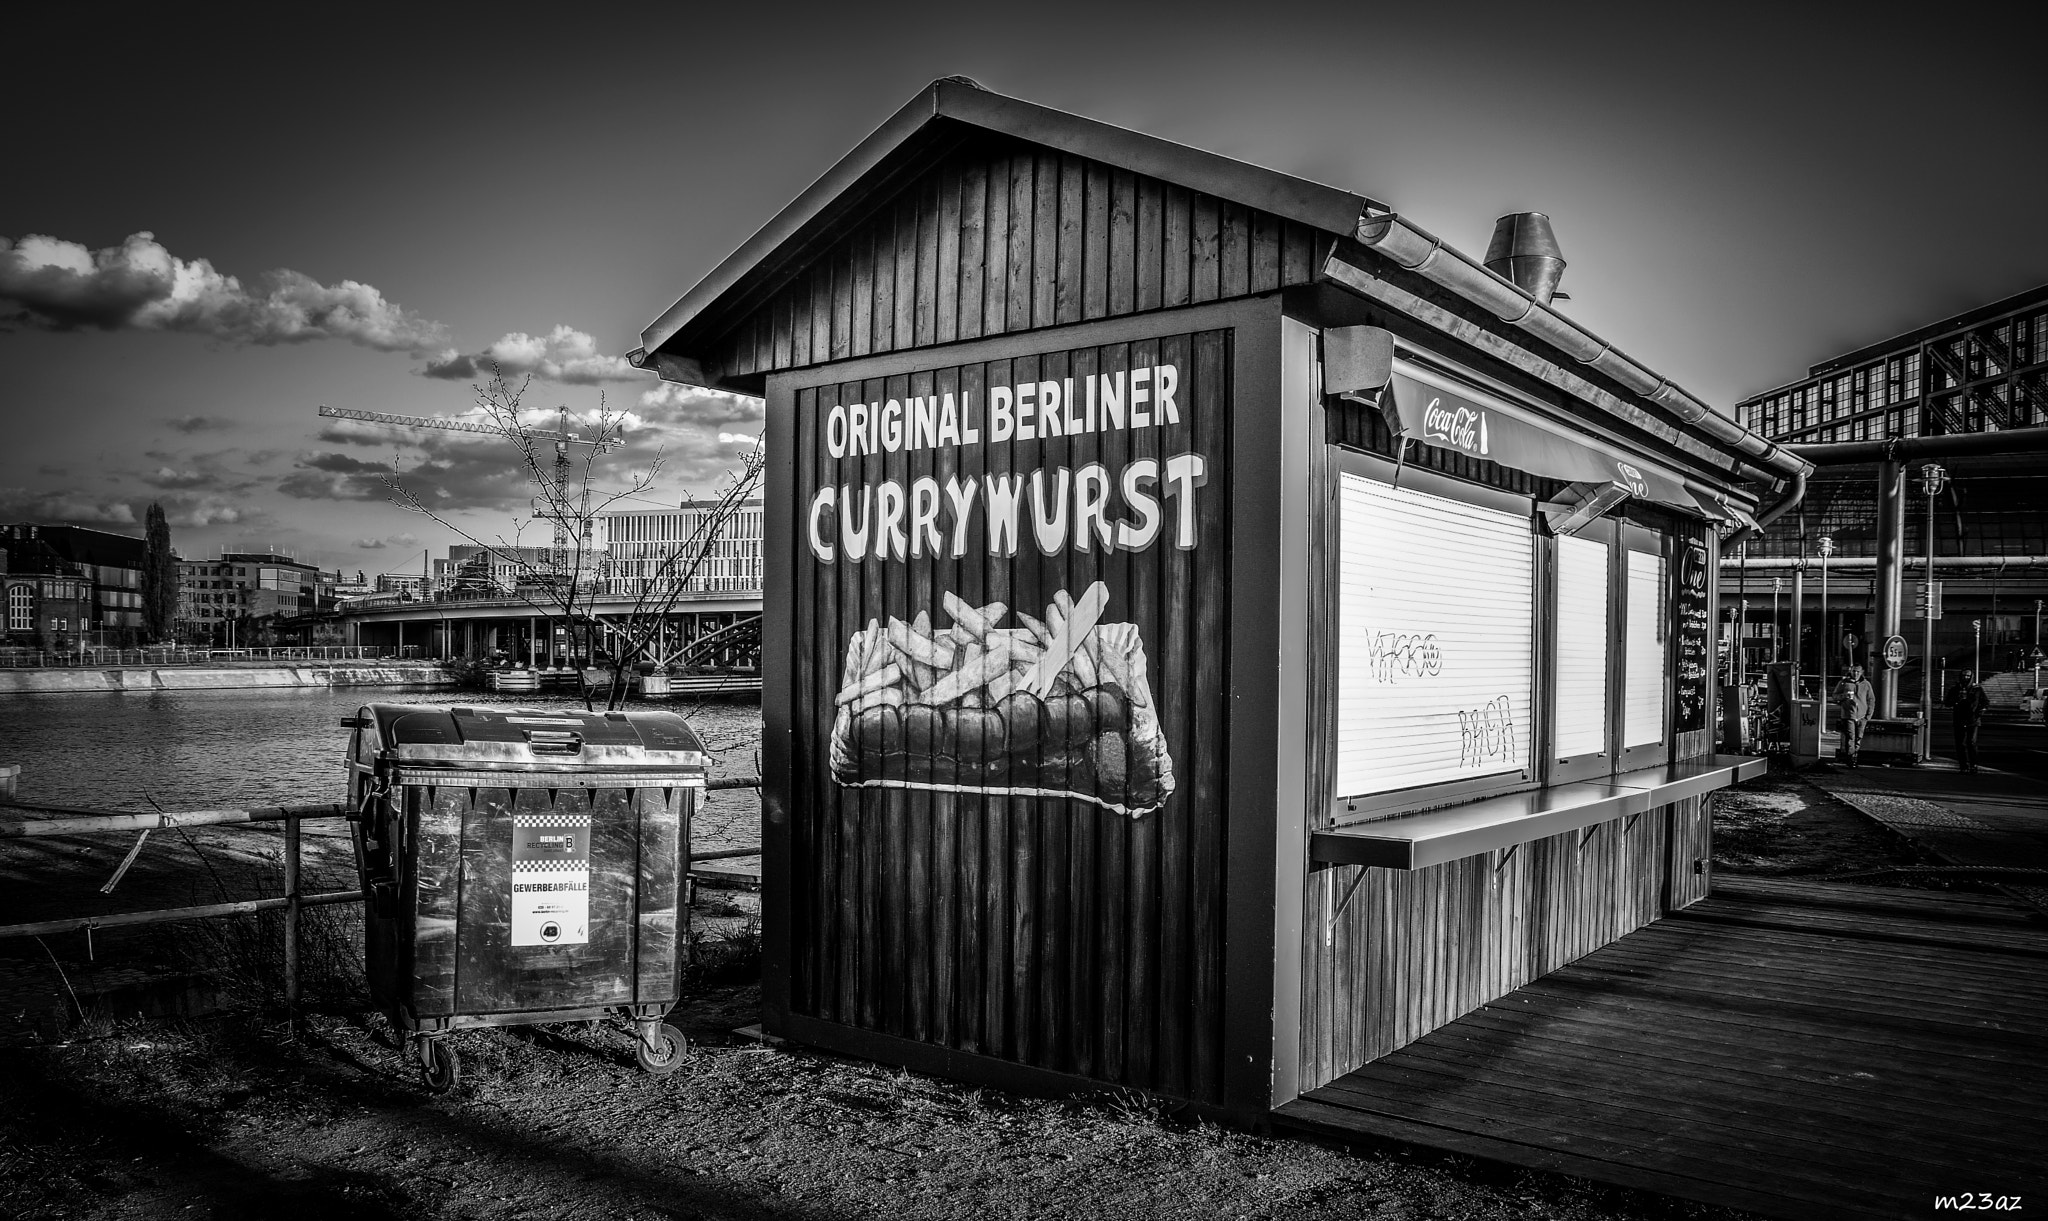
<point>1417,841</point>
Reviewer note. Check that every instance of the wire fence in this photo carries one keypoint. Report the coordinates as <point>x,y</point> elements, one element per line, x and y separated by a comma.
<point>26,820</point>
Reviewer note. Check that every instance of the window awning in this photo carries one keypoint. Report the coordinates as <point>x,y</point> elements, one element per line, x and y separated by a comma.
<point>1423,405</point>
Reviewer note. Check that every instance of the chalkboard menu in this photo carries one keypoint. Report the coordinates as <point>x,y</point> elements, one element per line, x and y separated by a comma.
<point>1695,624</point>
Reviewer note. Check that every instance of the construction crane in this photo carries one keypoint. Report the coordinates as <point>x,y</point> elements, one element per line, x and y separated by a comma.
<point>604,442</point>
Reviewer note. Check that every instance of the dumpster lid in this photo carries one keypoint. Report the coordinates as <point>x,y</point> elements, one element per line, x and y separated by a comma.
<point>551,740</point>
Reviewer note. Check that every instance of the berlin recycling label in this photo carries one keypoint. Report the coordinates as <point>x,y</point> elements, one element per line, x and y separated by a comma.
<point>550,879</point>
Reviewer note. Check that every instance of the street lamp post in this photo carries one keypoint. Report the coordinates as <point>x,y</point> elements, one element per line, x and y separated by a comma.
<point>1977,650</point>
<point>1777,632</point>
<point>2037,649</point>
<point>1741,669</point>
<point>1827,548</point>
<point>1932,477</point>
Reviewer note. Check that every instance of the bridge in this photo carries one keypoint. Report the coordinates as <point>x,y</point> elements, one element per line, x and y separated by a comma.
<point>708,629</point>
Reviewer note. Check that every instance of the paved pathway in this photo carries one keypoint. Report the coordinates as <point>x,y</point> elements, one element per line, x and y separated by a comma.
<point>1995,817</point>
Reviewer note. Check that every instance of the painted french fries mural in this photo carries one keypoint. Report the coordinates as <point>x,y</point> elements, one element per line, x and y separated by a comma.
<point>1057,707</point>
<point>1011,561</point>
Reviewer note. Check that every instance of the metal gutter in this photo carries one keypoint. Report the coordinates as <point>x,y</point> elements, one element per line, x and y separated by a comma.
<point>1427,255</point>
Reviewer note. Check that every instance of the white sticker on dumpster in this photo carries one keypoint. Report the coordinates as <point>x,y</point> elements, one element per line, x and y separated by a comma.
<point>550,879</point>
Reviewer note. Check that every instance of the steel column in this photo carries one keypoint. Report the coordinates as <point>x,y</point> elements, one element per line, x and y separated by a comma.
<point>1891,533</point>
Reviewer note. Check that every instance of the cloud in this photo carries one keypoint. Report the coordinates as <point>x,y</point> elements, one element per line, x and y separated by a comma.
<point>139,285</point>
<point>166,477</point>
<point>208,509</point>
<point>199,423</point>
<point>562,355</point>
<point>336,476</point>
<point>450,477</point>
<point>378,544</point>
<point>20,504</point>
<point>674,404</point>
<point>696,430</point>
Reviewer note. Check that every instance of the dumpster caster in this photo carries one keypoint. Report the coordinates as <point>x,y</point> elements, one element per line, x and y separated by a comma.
<point>440,1068</point>
<point>659,1049</point>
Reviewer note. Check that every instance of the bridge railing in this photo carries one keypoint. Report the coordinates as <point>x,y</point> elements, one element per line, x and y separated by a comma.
<point>95,658</point>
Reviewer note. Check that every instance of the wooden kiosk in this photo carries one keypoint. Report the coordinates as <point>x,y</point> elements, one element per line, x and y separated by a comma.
<point>1215,632</point>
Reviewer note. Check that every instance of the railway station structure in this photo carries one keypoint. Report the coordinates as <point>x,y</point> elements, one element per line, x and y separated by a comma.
<point>1978,373</point>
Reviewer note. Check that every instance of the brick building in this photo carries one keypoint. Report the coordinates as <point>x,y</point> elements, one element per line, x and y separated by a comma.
<point>110,564</point>
<point>42,605</point>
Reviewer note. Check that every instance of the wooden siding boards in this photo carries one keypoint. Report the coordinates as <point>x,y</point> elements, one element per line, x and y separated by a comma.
<point>1413,951</point>
<point>1043,932</point>
<point>999,238</point>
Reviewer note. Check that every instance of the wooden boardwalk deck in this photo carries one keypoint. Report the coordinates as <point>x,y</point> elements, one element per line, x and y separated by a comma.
<point>1795,1049</point>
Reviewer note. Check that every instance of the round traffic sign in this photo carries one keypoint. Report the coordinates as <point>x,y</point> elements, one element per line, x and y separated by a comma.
<point>1894,652</point>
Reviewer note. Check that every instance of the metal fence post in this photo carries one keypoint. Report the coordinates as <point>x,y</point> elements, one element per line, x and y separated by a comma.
<point>291,917</point>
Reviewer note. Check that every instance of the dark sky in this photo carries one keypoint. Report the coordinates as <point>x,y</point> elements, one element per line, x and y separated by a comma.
<point>1739,192</point>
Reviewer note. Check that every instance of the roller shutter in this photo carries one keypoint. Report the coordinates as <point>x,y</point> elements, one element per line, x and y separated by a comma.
<point>1644,681</point>
<point>1435,602</point>
<point>1583,573</point>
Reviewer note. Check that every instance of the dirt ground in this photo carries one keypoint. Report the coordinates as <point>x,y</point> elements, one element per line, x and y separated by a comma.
<point>230,1118</point>
<point>1779,826</point>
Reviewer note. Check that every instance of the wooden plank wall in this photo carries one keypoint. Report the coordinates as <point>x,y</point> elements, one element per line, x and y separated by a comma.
<point>1412,951</point>
<point>1003,237</point>
<point>1046,932</point>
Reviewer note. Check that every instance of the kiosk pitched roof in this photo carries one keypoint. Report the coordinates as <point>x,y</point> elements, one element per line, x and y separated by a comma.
<point>945,114</point>
<point>1328,234</point>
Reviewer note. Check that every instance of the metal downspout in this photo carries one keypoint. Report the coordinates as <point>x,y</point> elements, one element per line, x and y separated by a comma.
<point>1777,509</point>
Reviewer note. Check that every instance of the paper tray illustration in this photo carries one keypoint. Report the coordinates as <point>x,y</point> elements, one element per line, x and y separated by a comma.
<point>1056,707</point>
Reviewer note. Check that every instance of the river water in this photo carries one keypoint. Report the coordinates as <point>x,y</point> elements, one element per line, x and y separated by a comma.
<point>215,749</point>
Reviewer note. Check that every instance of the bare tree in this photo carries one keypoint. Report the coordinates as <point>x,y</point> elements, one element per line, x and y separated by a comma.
<point>566,501</point>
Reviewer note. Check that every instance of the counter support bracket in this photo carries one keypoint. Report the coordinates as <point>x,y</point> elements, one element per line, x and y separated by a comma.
<point>1330,928</point>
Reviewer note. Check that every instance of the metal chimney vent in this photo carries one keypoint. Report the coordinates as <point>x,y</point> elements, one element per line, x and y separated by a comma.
<point>1524,251</point>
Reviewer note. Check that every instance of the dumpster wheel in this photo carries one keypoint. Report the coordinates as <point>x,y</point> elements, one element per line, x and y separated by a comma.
<point>660,1048</point>
<point>440,1067</point>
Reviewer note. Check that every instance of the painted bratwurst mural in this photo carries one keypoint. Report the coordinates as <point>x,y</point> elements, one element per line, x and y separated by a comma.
<point>1058,706</point>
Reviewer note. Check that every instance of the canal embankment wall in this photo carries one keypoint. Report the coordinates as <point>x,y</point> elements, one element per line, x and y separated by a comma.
<point>194,678</point>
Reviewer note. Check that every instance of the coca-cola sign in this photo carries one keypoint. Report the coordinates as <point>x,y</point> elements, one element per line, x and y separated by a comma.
<point>1478,423</point>
<point>1459,425</point>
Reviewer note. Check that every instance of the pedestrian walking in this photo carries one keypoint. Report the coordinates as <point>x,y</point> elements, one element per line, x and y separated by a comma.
<point>1856,699</point>
<point>1968,702</point>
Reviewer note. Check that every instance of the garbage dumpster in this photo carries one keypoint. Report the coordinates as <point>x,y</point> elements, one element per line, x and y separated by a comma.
<point>1900,740</point>
<point>522,866</point>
